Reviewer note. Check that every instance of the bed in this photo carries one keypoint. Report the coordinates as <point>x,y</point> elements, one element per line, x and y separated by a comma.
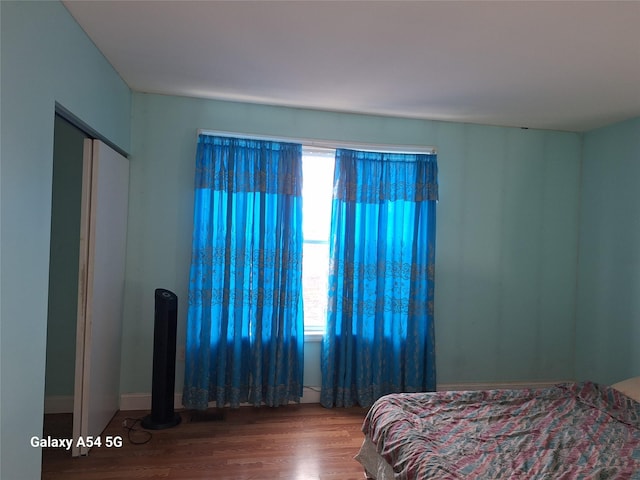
<point>569,431</point>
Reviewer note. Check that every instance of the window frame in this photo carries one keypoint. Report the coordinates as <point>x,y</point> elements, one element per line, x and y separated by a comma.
<point>315,332</point>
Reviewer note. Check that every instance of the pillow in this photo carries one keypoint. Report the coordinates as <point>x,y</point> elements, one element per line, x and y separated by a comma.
<point>630,387</point>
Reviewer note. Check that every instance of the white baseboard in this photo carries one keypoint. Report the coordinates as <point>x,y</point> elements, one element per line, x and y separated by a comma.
<point>310,395</point>
<point>142,401</point>
<point>58,404</point>
<point>497,385</point>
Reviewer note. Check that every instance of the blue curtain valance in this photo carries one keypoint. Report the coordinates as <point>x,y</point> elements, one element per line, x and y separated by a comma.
<point>243,165</point>
<point>390,176</point>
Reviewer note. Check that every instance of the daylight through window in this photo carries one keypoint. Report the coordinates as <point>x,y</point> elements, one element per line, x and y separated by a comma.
<point>317,189</point>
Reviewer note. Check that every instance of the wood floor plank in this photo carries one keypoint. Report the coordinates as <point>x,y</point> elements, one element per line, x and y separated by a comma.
<point>296,442</point>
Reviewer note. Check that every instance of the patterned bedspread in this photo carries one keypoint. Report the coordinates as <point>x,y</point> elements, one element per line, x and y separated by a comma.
<point>570,431</point>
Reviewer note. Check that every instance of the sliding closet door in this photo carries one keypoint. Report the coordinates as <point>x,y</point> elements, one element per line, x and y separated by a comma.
<point>100,292</point>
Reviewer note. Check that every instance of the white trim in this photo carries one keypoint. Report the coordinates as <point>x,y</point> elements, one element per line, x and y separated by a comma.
<point>142,401</point>
<point>497,385</point>
<point>313,336</point>
<point>331,144</point>
<point>311,394</point>
<point>58,404</point>
<point>322,152</point>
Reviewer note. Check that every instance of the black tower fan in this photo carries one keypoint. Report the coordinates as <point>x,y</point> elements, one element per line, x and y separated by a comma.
<point>164,363</point>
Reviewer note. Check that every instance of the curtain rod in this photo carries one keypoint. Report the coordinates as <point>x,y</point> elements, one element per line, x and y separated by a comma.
<point>332,144</point>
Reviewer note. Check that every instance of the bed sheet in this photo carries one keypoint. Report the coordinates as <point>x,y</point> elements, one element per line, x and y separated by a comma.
<point>569,431</point>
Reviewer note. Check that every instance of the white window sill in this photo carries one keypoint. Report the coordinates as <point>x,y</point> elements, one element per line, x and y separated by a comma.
<point>312,336</point>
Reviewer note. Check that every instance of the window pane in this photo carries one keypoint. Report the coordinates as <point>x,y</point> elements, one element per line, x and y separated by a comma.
<point>315,266</point>
<point>317,192</point>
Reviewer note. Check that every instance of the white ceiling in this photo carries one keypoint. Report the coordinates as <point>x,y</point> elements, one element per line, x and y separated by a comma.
<point>550,64</point>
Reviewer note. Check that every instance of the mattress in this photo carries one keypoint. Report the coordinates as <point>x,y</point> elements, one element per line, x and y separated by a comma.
<point>569,431</point>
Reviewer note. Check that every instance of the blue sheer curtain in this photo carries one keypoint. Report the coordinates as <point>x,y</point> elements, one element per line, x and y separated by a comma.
<point>245,329</point>
<point>380,334</point>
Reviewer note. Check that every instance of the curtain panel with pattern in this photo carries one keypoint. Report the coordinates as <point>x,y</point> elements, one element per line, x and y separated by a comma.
<point>245,329</point>
<point>380,332</point>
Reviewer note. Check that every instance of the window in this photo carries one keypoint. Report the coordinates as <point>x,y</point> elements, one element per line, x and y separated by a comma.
<point>317,190</point>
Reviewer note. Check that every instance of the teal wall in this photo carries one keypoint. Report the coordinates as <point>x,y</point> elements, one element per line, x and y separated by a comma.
<point>64,259</point>
<point>506,236</point>
<point>45,57</point>
<point>608,302</point>
<point>509,219</point>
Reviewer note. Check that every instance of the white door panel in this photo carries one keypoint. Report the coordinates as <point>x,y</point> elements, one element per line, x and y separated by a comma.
<point>101,291</point>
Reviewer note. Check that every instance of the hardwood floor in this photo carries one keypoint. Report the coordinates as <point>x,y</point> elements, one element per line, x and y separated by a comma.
<point>297,442</point>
